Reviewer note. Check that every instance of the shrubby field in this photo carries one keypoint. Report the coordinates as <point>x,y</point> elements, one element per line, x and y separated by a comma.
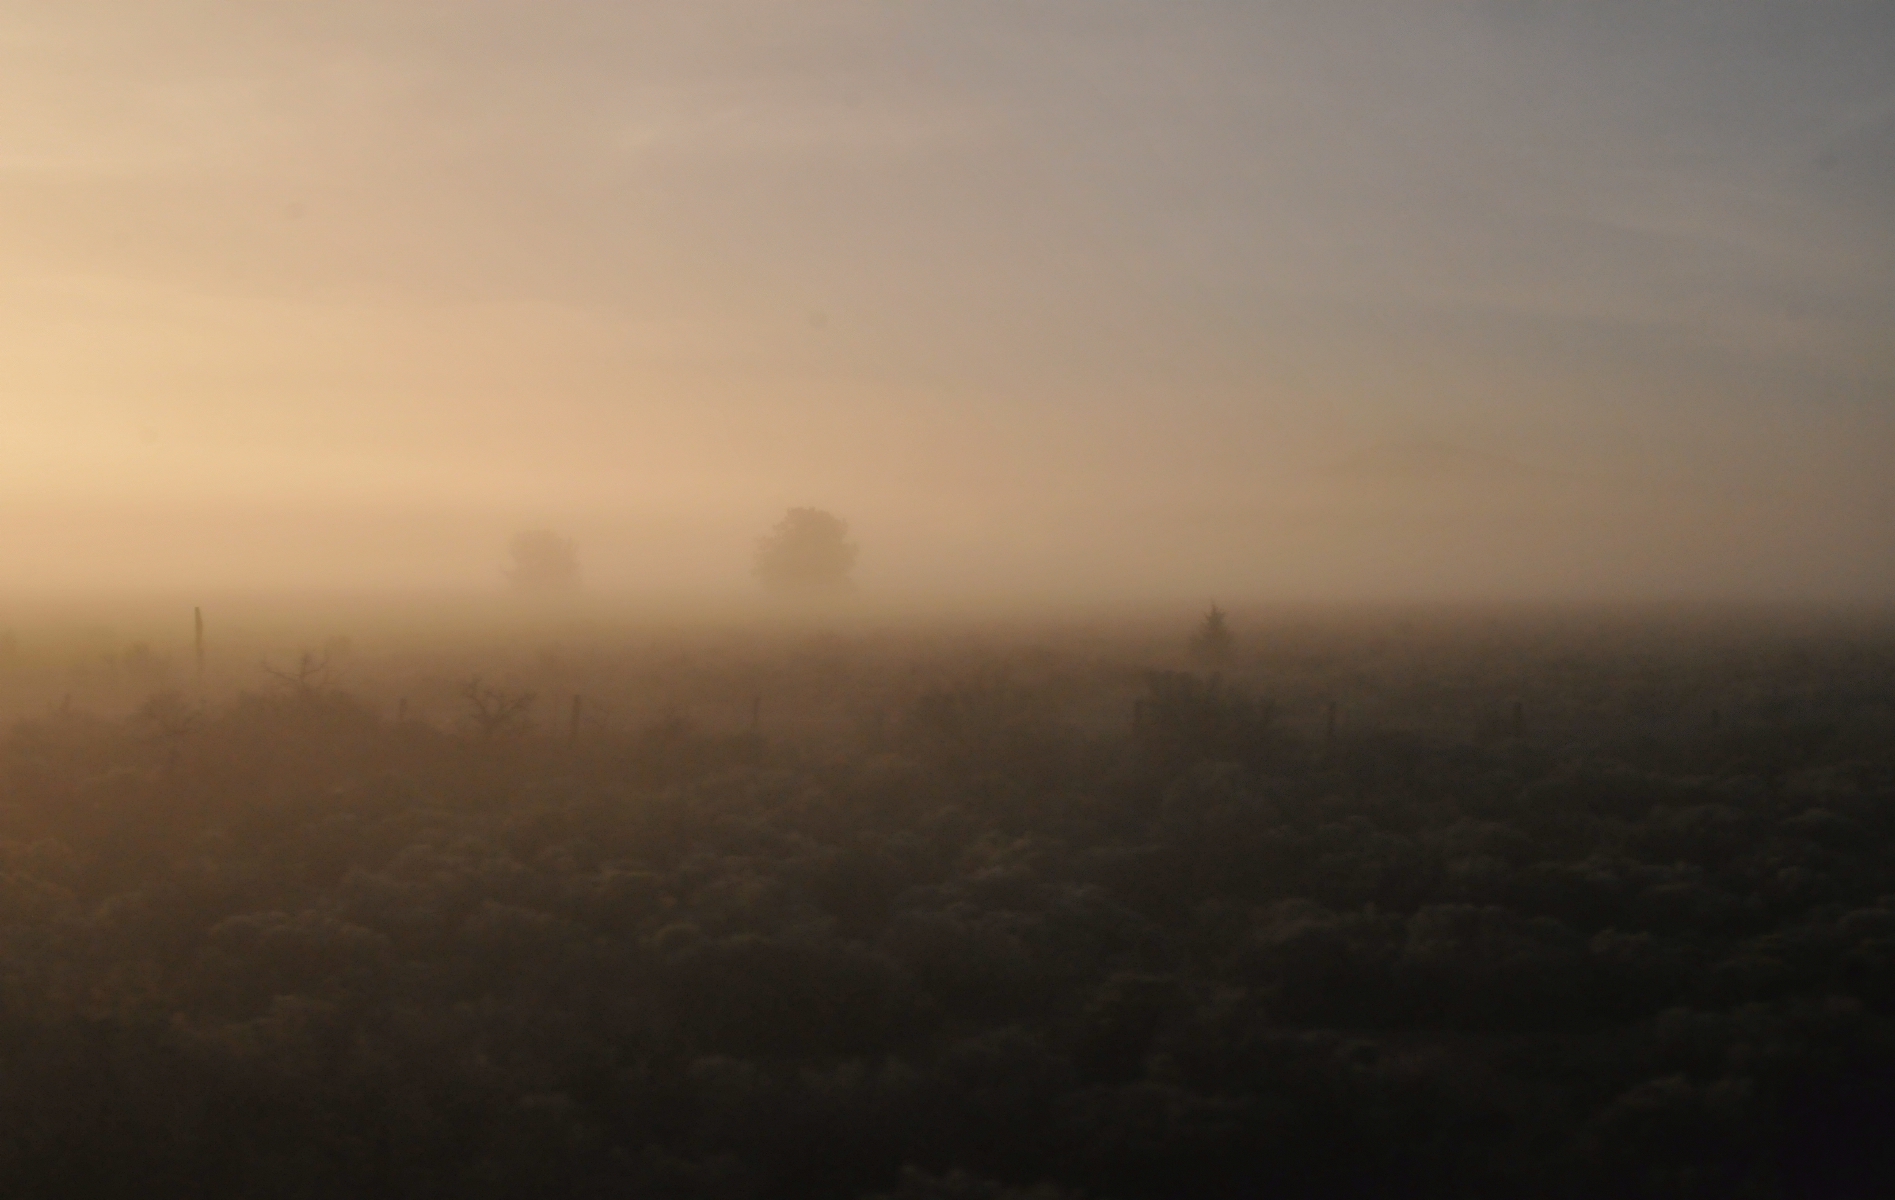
<point>1566,905</point>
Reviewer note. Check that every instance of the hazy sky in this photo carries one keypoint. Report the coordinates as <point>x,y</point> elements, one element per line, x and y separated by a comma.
<point>1059,296</point>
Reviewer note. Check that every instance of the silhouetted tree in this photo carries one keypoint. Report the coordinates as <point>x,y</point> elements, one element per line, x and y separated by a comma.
<point>808,548</point>
<point>310,677</point>
<point>1183,719</point>
<point>494,713</point>
<point>1213,641</point>
<point>543,561</point>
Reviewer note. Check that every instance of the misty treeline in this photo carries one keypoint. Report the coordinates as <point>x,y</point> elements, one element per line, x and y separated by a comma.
<point>991,938</point>
<point>807,551</point>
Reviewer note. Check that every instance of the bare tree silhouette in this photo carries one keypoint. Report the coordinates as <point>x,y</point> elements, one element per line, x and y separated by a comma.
<point>310,677</point>
<point>495,713</point>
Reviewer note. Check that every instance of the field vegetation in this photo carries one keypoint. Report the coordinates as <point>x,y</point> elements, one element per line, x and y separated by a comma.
<point>1388,904</point>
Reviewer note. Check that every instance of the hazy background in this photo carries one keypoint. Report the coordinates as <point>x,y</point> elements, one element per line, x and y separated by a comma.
<point>1049,298</point>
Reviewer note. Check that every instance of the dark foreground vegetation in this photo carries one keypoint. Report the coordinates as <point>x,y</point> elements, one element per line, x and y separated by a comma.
<point>984,945</point>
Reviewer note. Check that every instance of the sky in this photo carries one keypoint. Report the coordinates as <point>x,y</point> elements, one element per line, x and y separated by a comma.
<point>1047,298</point>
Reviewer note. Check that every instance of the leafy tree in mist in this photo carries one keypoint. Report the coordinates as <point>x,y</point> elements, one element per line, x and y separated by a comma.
<point>543,561</point>
<point>808,548</point>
